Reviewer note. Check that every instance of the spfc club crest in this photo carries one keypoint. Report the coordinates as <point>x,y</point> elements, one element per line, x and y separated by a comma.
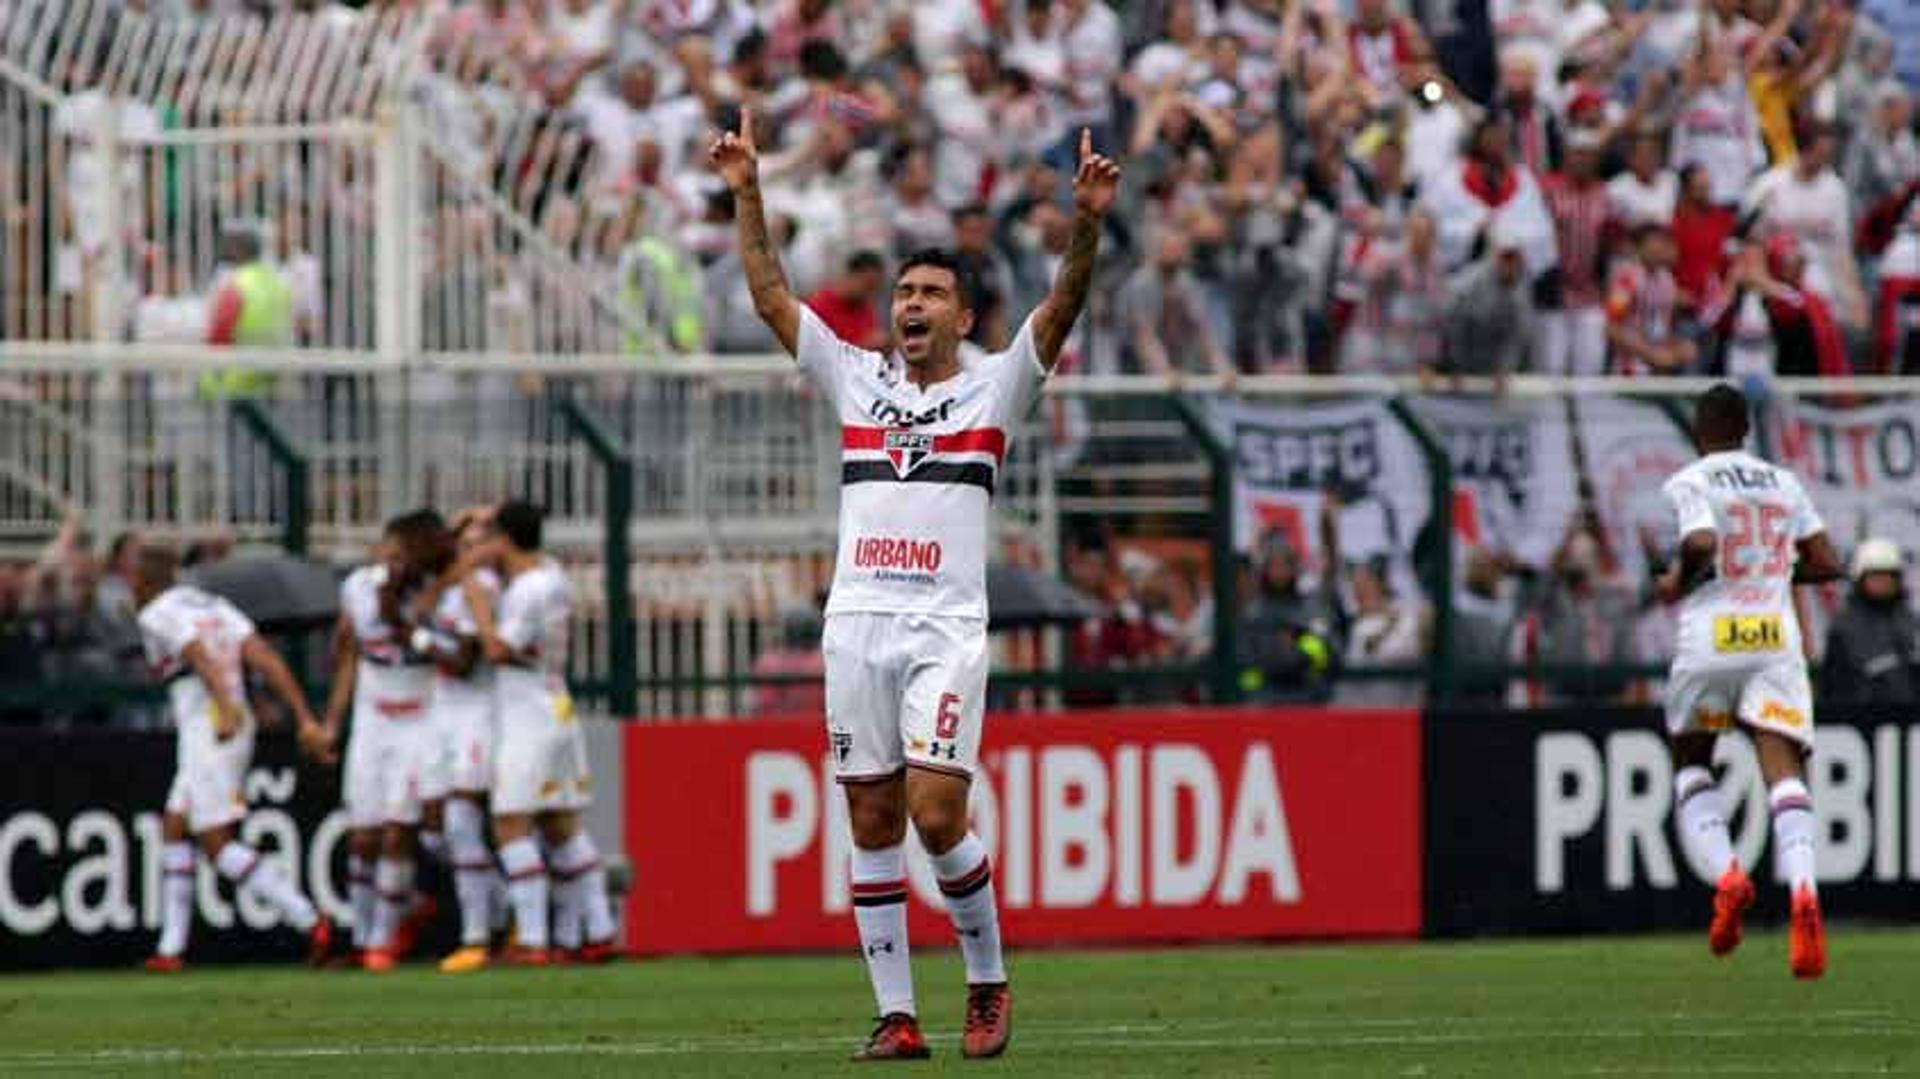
<point>906,449</point>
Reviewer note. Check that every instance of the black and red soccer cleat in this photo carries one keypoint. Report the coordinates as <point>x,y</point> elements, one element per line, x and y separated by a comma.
<point>897,1037</point>
<point>989,1021</point>
<point>519,955</point>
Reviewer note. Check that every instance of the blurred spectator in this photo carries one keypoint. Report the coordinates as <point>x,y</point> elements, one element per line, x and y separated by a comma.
<point>1490,315</point>
<point>1480,634</point>
<point>986,267</point>
<point>1382,631</point>
<point>797,654</point>
<point>1643,309</point>
<point>1882,156</point>
<point>253,309</point>
<point>1090,36</point>
<point>1891,231</point>
<point>968,151</point>
<point>834,187</point>
<point>1120,637</point>
<point>1573,338</point>
<point>1533,127</point>
<point>1397,326</point>
<point>1166,313</point>
<point>171,313</point>
<point>1437,122</point>
<point>1702,233</point>
<point>1488,189</point>
<point>1647,191</point>
<point>1280,265</point>
<point>1584,620</point>
<point>1715,126</point>
<point>848,305</point>
<point>1781,74</point>
<point>919,220</point>
<point>1807,198</point>
<point>1768,323</point>
<point>1873,645</point>
<point>1287,632</point>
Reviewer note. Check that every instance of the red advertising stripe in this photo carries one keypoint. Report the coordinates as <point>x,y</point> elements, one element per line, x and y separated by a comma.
<point>1125,826</point>
<point>974,440</point>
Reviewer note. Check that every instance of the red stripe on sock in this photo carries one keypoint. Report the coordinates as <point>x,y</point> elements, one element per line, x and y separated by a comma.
<point>879,887</point>
<point>968,880</point>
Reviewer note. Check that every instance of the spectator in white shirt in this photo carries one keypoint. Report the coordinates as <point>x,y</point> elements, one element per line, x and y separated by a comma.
<point>1808,199</point>
<point>1716,126</point>
<point>961,101</point>
<point>1646,192</point>
<point>1177,57</point>
<point>1090,32</point>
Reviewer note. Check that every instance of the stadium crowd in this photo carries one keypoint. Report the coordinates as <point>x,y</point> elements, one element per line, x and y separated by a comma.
<point>1720,186</point>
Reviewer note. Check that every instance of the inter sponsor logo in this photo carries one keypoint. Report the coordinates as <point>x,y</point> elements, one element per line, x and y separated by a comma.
<point>888,552</point>
<point>894,415</point>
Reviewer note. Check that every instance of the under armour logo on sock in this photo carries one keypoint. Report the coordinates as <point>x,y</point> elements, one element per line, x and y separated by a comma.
<point>880,946</point>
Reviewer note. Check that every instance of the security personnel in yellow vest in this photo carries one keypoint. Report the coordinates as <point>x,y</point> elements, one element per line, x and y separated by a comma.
<point>253,310</point>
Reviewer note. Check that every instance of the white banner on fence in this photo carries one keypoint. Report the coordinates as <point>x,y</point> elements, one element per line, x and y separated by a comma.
<point>1860,466</point>
<point>1290,459</point>
<point>1630,448</point>
<point>1512,472</point>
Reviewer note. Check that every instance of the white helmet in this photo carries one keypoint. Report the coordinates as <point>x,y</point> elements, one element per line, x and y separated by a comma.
<point>1876,556</point>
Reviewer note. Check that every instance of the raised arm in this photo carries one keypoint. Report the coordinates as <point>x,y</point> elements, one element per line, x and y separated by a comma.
<point>1094,187</point>
<point>737,160</point>
<point>314,738</point>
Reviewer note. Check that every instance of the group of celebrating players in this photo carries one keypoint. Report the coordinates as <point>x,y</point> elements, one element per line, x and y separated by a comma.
<point>451,648</point>
<point>449,656</point>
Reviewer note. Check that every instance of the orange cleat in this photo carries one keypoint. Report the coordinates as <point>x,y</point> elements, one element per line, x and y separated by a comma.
<point>163,964</point>
<point>406,935</point>
<point>380,960</point>
<point>897,1037</point>
<point>1730,902</point>
<point>521,956</point>
<point>1807,946</point>
<point>319,943</point>
<point>989,1021</point>
<point>596,953</point>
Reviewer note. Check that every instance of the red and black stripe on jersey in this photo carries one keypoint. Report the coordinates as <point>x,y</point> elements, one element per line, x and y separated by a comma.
<point>971,457</point>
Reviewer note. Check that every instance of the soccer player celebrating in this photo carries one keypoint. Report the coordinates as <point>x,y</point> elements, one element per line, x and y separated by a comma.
<point>463,717</point>
<point>540,775</point>
<point>1748,534</point>
<point>923,435</point>
<point>388,685</point>
<point>202,646</point>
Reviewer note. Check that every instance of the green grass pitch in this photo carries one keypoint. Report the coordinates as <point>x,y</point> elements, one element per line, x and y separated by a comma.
<point>1643,1006</point>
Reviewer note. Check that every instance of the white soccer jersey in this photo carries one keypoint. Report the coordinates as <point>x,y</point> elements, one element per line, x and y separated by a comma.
<point>176,619</point>
<point>917,470</point>
<point>1759,512</point>
<point>390,682</point>
<point>533,621</point>
<point>453,622</point>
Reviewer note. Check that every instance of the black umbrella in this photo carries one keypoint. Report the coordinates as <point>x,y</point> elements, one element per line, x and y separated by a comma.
<point>1021,598</point>
<point>281,593</point>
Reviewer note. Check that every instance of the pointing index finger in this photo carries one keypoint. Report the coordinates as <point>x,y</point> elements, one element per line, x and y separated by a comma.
<point>1086,143</point>
<point>746,125</point>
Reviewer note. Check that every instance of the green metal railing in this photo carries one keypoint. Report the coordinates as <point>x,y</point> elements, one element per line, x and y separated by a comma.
<point>622,651</point>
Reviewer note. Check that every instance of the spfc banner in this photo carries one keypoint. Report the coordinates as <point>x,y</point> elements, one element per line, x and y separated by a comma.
<point>1512,470</point>
<point>1292,462</point>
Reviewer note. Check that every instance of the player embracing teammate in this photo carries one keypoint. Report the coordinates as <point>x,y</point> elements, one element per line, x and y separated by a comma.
<point>923,437</point>
<point>1748,534</point>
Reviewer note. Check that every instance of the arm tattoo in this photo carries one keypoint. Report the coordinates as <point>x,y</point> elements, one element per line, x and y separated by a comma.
<point>764,276</point>
<point>1070,286</point>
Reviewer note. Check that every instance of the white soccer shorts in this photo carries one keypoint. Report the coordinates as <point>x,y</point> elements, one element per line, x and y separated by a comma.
<point>467,746</point>
<point>540,762</point>
<point>904,689</point>
<point>387,760</point>
<point>209,781</point>
<point>1769,695</point>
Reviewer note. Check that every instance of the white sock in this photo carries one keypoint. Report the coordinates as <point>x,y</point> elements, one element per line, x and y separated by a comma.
<point>880,909</point>
<point>1793,832</point>
<point>176,897</point>
<point>393,880</point>
<point>364,900</point>
<point>526,889</point>
<point>249,869</point>
<point>966,881</point>
<point>580,882</point>
<point>1703,824</point>
<point>473,873</point>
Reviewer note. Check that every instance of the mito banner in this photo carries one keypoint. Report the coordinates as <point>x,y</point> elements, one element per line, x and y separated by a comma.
<point>1561,821</point>
<point>80,849</point>
<point>1124,827</point>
